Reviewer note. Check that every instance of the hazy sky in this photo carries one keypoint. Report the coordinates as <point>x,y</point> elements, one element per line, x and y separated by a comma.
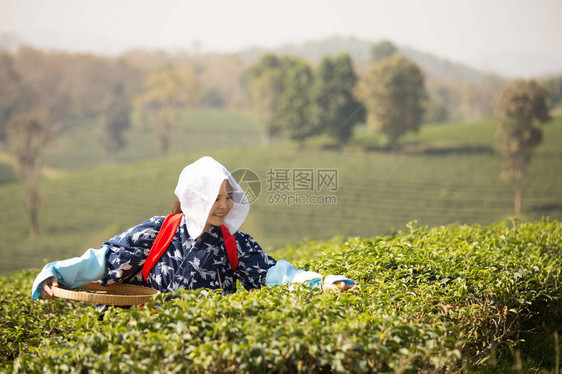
<point>515,37</point>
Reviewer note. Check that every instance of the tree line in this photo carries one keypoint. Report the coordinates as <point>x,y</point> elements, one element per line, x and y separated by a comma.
<point>292,100</point>
<point>295,100</point>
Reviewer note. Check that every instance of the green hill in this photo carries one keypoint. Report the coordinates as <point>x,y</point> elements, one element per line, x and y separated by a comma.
<point>447,173</point>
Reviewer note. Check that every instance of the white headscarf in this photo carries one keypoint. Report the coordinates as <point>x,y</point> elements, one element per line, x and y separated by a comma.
<point>197,190</point>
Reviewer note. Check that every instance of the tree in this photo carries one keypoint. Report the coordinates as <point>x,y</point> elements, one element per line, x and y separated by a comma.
<point>10,92</point>
<point>264,93</point>
<point>554,87</point>
<point>263,86</point>
<point>27,135</point>
<point>434,111</point>
<point>116,85</point>
<point>115,119</point>
<point>336,111</point>
<point>393,93</point>
<point>518,107</point>
<point>293,110</point>
<point>166,91</point>
<point>382,50</point>
<point>46,82</point>
<point>211,97</point>
<point>37,110</point>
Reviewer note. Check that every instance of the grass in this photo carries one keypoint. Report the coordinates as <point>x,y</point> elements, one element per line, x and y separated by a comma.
<point>447,173</point>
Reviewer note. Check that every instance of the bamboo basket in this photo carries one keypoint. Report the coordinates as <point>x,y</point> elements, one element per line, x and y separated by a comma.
<point>116,294</point>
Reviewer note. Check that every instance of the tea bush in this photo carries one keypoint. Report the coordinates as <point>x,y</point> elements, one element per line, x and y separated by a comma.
<point>442,299</point>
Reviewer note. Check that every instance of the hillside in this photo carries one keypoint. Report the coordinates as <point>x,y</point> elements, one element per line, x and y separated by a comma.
<point>447,173</point>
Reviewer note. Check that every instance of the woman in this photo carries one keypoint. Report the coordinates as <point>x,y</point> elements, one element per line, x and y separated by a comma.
<point>209,197</point>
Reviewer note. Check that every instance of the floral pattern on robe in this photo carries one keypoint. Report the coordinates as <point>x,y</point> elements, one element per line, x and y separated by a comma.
<point>187,263</point>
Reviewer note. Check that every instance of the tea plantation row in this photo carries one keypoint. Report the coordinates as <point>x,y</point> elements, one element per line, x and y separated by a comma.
<point>445,299</point>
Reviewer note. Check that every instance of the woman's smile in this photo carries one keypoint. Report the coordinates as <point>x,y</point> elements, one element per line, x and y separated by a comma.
<point>221,207</point>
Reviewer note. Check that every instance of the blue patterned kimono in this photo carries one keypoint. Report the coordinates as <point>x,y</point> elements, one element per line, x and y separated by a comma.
<point>188,263</point>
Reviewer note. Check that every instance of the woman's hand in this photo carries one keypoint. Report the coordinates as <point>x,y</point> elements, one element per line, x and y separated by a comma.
<point>340,286</point>
<point>46,288</point>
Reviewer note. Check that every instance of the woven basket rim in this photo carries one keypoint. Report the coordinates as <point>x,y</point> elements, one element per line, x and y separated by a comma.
<point>120,294</point>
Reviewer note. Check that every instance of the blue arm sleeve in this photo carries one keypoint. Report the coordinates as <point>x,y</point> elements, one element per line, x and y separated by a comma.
<point>283,273</point>
<point>75,271</point>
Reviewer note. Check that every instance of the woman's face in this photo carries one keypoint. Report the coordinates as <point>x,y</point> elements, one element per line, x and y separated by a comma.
<point>222,205</point>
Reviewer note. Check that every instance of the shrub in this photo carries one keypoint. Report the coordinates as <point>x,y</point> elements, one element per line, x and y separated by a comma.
<point>429,299</point>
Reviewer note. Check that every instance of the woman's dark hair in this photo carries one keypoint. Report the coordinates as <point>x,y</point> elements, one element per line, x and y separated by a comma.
<point>176,209</point>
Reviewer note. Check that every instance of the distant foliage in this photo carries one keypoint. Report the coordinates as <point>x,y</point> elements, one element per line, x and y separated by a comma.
<point>336,111</point>
<point>382,50</point>
<point>465,101</point>
<point>467,93</point>
<point>10,91</point>
<point>116,119</point>
<point>78,87</point>
<point>28,134</point>
<point>67,88</point>
<point>554,88</point>
<point>291,100</point>
<point>211,97</point>
<point>122,81</point>
<point>393,93</point>
<point>263,84</point>
<point>165,91</point>
<point>293,114</point>
<point>519,107</point>
<point>442,299</point>
<point>434,111</point>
